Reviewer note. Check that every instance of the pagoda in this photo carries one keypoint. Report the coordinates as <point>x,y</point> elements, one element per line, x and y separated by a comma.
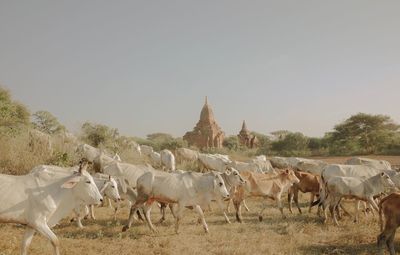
<point>246,138</point>
<point>206,133</point>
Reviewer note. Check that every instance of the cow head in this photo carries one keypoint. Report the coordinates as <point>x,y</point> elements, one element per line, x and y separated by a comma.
<point>290,176</point>
<point>219,186</point>
<point>387,181</point>
<point>110,189</point>
<point>233,177</point>
<point>83,186</point>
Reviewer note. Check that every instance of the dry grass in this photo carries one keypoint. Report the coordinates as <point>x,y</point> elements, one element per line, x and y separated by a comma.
<point>298,234</point>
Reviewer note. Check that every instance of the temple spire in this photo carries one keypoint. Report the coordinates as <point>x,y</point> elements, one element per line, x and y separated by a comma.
<point>206,101</point>
<point>244,126</point>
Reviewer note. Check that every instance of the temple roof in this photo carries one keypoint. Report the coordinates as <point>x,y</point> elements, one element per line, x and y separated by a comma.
<point>206,114</point>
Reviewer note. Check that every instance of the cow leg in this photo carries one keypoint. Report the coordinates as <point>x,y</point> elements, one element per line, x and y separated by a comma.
<point>389,243</point>
<point>311,201</point>
<point>280,206</point>
<point>381,241</point>
<point>78,217</point>
<point>178,213</point>
<point>201,214</point>
<point>296,199</point>
<point>162,211</point>
<point>26,240</point>
<point>109,203</point>
<point>116,210</point>
<point>334,211</point>
<point>227,205</point>
<point>221,207</point>
<point>132,212</point>
<point>356,208</point>
<point>147,210</point>
<point>245,206</point>
<point>238,208</point>
<point>91,211</point>
<point>290,199</point>
<point>171,208</point>
<point>46,232</point>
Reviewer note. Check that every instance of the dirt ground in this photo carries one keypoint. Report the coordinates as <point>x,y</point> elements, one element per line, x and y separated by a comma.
<point>297,234</point>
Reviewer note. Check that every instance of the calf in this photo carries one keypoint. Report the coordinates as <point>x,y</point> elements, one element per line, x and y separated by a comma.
<point>264,185</point>
<point>390,207</point>
<point>309,183</point>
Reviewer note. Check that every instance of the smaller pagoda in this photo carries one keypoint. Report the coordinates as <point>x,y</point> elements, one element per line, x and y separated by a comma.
<point>246,138</point>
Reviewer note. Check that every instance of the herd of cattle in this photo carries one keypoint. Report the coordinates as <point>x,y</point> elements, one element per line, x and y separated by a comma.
<point>40,199</point>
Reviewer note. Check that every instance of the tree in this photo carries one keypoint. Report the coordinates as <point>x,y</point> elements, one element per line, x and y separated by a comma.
<point>293,144</point>
<point>46,122</point>
<point>371,133</point>
<point>97,134</point>
<point>13,115</point>
<point>232,143</point>
<point>280,134</point>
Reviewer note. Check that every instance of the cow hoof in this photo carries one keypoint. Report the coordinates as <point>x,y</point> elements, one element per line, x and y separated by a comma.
<point>260,218</point>
<point>125,228</point>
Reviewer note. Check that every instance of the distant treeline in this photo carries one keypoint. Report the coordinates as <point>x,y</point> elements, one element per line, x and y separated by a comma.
<point>359,134</point>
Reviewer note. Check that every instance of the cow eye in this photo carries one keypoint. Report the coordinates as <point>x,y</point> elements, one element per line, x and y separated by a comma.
<point>113,187</point>
<point>220,184</point>
<point>88,182</point>
<point>235,173</point>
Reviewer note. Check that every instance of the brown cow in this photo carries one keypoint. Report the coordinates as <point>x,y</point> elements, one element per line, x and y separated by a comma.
<point>309,183</point>
<point>269,185</point>
<point>390,206</point>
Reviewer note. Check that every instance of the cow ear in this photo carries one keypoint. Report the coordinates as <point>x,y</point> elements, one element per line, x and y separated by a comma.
<point>382,174</point>
<point>71,182</point>
<point>287,171</point>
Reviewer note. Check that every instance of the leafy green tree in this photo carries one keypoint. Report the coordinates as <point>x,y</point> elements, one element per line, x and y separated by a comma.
<point>371,133</point>
<point>232,143</point>
<point>46,122</point>
<point>97,134</point>
<point>13,115</point>
<point>293,144</point>
<point>280,134</point>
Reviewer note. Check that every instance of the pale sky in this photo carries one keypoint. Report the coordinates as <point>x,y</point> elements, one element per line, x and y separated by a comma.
<point>146,66</point>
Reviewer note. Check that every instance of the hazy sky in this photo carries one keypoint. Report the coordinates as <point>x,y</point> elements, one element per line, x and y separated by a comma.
<point>146,66</point>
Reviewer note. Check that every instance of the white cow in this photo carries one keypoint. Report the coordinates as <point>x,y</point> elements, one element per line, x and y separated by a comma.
<point>108,187</point>
<point>187,189</point>
<point>232,179</point>
<point>352,187</point>
<point>146,150</point>
<point>264,165</point>
<point>378,164</point>
<point>212,162</point>
<point>184,154</point>
<point>39,200</point>
<point>87,151</point>
<point>244,166</point>
<point>167,160</point>
<point>155,159</point>
<point>309,165</point>
<point>126,173</point>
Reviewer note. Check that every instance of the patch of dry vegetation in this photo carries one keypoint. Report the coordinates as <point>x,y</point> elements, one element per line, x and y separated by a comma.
<point>298,234</point>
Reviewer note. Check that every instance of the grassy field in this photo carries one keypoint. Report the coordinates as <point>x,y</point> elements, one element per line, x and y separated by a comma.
<point>297,234</point>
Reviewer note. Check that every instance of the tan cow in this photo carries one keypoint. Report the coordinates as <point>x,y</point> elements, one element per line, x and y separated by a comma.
<point>309,183</point>
<point>263,185</point>
<point>390,207</point>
